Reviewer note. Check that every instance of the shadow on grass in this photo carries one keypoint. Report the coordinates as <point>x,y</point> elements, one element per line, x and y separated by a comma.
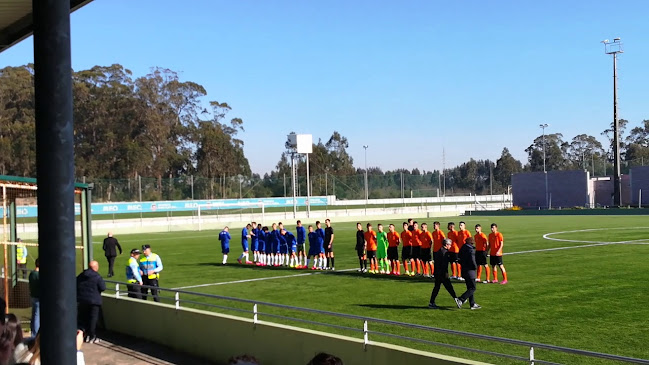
<point>398,306</point>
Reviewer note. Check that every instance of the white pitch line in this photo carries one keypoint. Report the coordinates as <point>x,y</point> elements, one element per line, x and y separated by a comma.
<point>251,280</point>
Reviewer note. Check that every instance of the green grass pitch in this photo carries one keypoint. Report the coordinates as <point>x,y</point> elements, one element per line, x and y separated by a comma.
<point>592,298</point>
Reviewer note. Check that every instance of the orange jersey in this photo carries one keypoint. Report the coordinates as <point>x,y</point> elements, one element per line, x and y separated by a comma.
<point>415,238</point>
<point>393,239</point>
<point>461,237</point>
<point>496,244</point>
<point>438,239</point>
<point>480,241</point>
<point>370,238</point>
<point>426,239</point>
<point>405,238</point>
<point>452,235</point>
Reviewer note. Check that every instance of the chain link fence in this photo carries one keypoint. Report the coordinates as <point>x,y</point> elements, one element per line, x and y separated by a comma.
<point>345,187</point>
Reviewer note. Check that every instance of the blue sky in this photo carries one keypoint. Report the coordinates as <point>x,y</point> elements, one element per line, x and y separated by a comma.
<point>407,78</point>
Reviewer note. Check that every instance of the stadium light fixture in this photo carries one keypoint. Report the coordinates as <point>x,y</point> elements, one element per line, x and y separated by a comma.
<point>614,48</point>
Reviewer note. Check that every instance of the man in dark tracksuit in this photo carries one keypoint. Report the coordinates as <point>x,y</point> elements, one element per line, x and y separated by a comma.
<point>441,273</point>
<point>110,249</point>
<point>89,288</point>
<point>467,260</point>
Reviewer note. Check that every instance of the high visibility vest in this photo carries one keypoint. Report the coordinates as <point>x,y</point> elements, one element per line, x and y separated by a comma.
<point>130,276</point>
<point>21,254</point>
<point>149,263</point>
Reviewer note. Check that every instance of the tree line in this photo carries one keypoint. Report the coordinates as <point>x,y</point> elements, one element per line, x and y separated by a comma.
<point>157,126</point>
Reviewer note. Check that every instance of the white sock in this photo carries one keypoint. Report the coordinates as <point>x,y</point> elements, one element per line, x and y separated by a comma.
<point>240,257</point>
<point>254,256</point>
<point>246,255</point>
<point>292,261</point>
<point>225,259</point>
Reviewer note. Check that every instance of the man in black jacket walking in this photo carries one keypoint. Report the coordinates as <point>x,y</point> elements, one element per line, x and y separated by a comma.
<point>110,249</point>
<point>89,287</point>
<point>469,266</point>
<point>441,273</point>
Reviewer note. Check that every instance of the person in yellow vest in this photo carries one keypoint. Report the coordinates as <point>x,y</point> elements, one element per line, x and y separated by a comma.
<point>21,258</point>
<point>150,267</point>
<point>133,277</point>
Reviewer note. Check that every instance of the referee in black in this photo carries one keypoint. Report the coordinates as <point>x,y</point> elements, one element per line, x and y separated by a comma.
<point>442,259</point>
<point>467,260</point>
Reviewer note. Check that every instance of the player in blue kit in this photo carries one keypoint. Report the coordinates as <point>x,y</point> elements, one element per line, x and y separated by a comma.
<point>245,236</point>
<point>301,239</point>
<point>254,242</point>
<point>225,238</point>
<point>274,238</point>
<point>291,245</point>
<point>261,246</point>
<point>314,252</point>
<point>321,253</point>
<point>283,246</point>
<point>269,247</point>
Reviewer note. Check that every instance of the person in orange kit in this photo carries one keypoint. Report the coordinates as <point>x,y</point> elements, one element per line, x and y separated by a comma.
<point>393,251</point>
<point>496,243</point>
<point>406,250</point>
<point>370,243</point>
<point>453,251</point>
<point>415,242</point>
<point>462,235</point>
<point>481,248</point>
<point>426,258</point>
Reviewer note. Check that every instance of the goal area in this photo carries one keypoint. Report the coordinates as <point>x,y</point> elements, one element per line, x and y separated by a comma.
<point>211,215</point>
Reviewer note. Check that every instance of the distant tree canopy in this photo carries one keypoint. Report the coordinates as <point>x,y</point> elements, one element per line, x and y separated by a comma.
<point>157,126</point>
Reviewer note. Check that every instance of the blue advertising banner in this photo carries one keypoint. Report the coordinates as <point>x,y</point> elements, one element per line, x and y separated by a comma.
<point>181,205</point>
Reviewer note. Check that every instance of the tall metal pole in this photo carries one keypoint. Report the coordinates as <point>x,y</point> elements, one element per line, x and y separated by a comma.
<point>545,172</point>
<point>366,185</point>
<point>55,175</point>
<point>192,184</point>
<point>294,184</point>
<point>308,188</point>
<point>614,48</point>
<point>617,177</point>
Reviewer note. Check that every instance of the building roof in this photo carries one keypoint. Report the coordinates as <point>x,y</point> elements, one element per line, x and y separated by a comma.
<point>16,20</point>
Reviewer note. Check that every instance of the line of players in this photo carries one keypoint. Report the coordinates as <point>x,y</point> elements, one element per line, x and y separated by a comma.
<point>280,247</point>
<point>381,249</point>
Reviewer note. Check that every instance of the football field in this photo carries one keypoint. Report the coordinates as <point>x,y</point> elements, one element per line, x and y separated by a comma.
<point>574,281</point>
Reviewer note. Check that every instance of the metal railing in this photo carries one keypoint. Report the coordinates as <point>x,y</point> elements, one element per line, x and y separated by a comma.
<point>531,359</point>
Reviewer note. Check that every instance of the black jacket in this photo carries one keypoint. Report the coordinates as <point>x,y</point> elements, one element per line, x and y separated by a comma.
<point>441,262</point>
<point>467,258</point>
<point>89,287</point>
<point>360,240</point>
<point>109,246</point>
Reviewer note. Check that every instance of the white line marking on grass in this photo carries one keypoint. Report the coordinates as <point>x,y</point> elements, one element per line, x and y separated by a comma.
<point>590,243</point>
<point>251,280</point>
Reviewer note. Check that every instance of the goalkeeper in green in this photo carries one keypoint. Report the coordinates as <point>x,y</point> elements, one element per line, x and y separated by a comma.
<point>382,250</point>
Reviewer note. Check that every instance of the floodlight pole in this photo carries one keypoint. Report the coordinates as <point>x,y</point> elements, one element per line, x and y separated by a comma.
<point>545,173</point>
<point>366,187</point>
<point>614,48</point>
<point>308,188</point>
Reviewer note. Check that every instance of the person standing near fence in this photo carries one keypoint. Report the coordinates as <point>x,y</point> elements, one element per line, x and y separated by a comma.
<point>150,266</point>
<point>301,240</point>
<point>35,295</point>
<point>110,249</point>
<point>21,258</point>
<point>133,277</point>
<point>89,287</point>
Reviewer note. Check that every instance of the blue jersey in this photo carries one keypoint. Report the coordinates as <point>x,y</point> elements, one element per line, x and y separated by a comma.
<point>261,246</point>
<point>283,239</point>
<point>301,234</point>
<point>244,236</point>
<point>269,242</point>
<point>225,238</point>
<point>314,247</point>
<point>321,235</point>
<point>290,241</point>
<point>254,236</point>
